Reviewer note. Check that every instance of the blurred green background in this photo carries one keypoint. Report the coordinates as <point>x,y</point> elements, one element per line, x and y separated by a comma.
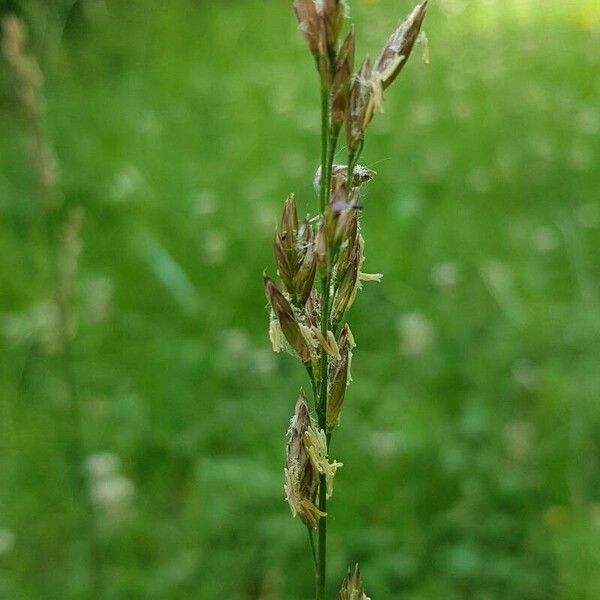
<point>471,434</point>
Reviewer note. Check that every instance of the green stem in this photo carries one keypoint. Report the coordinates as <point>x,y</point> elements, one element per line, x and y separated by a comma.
<point>322,555</point>
<point>353,157</point>
<point>328,143</point>
<point>324,188</point>
<point>313,382</point>
<point>311,540</point>
<point>332,145</point>
<point>322,415</point>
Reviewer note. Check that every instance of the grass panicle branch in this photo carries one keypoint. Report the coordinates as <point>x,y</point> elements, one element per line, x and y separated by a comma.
<point>309,321</point>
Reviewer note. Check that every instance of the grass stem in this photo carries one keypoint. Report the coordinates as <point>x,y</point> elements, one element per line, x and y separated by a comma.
<point>328,144</point>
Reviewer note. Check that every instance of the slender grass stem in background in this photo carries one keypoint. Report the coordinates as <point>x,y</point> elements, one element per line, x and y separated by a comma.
<point>310,323</point>
<point>63,243</point>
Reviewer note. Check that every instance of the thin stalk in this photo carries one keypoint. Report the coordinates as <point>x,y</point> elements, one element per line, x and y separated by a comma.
<point>353,157</point>
<point>311,540</point>
<point>76,436</point>
<point>322,415</point>
<point>30,89</point>
<point>328,144</point>
<point>322,555</point>
<point>324,188</point>
<point>313,382</point>
<point>332,145</point>
<point>350,170</point>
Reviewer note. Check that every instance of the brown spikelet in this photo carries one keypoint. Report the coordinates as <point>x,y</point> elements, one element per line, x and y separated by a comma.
<point>341,81</point>
<point>282,259</point>
<point>290,327</point>
<point>339,379</point>
<point>321,247</point>
<point>360,106</point>
<point>397,49</point>
<point>346,227</point>
<point>311,25</point>
<point>294,251</point>
<point>352,586</point>
<point>312,309</point>
<point>284,244</point>
<point>301,478</point>
<point>346,291</point>
<point>333,14</point>
<point>305,275</point>
<point>296,450</point>
<point>30,86</point>
<point>289,225</point>
<point>366,94</point>
<point>24,66</point>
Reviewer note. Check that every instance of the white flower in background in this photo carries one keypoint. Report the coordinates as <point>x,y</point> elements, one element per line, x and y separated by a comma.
<point>110,491</point>
<point>265,218</point>
<point>416,334</point>
<point>445,274</point>
<point>7,541</point>
<point>262,362</point>
<point>214,247</point>
<point>386,444</point>
<point>113,495</point>
<point>126,183</point>
<point>236,342</point>
<point>102,464</point>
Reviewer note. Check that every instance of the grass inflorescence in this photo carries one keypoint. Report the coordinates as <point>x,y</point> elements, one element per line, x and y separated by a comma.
<point>320,260</point>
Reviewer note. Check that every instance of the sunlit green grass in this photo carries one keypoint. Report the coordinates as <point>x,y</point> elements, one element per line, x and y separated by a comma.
<point>470,434</point>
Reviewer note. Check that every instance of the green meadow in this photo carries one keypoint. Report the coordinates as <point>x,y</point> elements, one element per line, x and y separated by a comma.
<point>470,435</point>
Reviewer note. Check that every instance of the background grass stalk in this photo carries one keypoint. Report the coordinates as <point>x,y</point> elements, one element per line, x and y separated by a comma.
<point>30,82</point>
<point>76,435</point>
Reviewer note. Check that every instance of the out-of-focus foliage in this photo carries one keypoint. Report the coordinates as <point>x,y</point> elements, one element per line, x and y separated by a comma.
<point>471,435</point>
